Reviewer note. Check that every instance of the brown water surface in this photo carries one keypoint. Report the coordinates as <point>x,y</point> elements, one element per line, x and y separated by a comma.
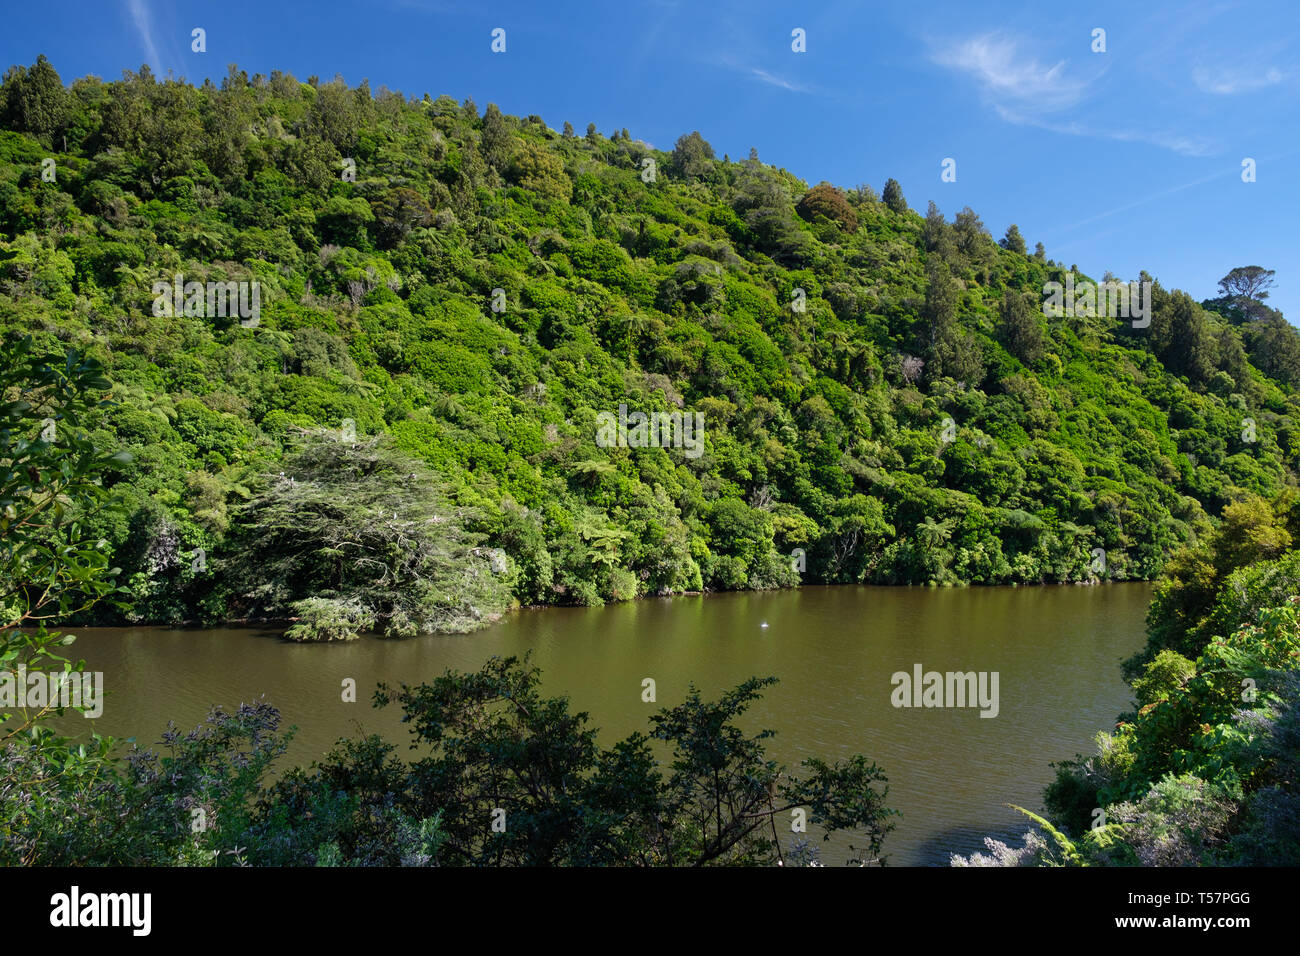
<point>951,773</point>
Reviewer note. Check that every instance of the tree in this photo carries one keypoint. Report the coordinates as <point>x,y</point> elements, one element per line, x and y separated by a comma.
<point>864,195</point>
<point>940,301</point>
<point>858,535</point>
<point>938,234</point>
<point>764,201</point>
<point>35,99</point>
<point>568,130</point>
<point>226,124</point>
<point>50,567</point>
<point>1192,349</point>
<point>344,221</point>
<point>335,117</point>
<point>1249,282</point>
<point>397,213</point>
<point>973,241</point>
<point>1018,330</point>
<point>940,306</point>
<point>369,529</point>
<point>692,155</point>
<point>518,779</point>
<point>953,352</point>
<point>50,484</point>
<point>1242,294</point>
<point>825,200</point>
<point>892,196</point>
<point>910,367</point>
<point>1274,348</point>
<point>1233,360</point>
<point>496,138</point>
<point>537,169</point>
<point>1013,241</point>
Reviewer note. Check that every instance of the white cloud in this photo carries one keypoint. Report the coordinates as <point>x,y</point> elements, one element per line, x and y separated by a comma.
<point>1183,145</point>
<point>1226,81</point>
<point>140,14</point>
<point>1013,80</point>
<point>1025,91</point>
<point>762,76</point>
<point>773,80</point>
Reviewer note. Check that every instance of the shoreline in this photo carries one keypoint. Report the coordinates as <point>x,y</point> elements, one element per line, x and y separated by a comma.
<point>253,623</point>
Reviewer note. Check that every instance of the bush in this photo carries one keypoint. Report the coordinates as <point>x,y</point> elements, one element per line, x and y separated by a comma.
<point>329,619</point>
<point>825,200</point>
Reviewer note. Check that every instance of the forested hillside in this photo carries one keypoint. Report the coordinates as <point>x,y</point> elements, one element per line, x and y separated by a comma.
<point>405,434</point>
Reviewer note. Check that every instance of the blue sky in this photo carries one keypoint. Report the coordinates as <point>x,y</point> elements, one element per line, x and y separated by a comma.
<point>1124,160</point>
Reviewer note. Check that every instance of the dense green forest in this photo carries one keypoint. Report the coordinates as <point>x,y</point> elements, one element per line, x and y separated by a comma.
<point>404,437</point>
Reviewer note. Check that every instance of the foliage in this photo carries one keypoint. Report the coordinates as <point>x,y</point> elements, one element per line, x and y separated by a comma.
<point>483,288</point>
<point>1203,771</point>
<point>328,619</point>
<point>50,472</point>
<point>515,778</point>
<point>827,201</point>
<point>358,534</point>
<point>692,155</point>
<point>892,196</point>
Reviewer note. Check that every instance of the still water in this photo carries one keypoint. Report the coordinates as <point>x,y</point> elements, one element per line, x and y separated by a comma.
<point>951,772</point>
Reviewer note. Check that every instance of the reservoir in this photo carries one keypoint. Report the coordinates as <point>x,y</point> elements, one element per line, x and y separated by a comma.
<point>1055,650</point>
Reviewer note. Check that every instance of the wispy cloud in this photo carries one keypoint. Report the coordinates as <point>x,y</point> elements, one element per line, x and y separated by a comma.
<point>144,24</point>
<point>1015,82</point>
<point>1176,142</point>
<point>1226,81</point>
<point>1026,91</point>
<point>1149,199</point>
<point>760,75</point>
<point>650,37</point>
<point>774,80</point>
